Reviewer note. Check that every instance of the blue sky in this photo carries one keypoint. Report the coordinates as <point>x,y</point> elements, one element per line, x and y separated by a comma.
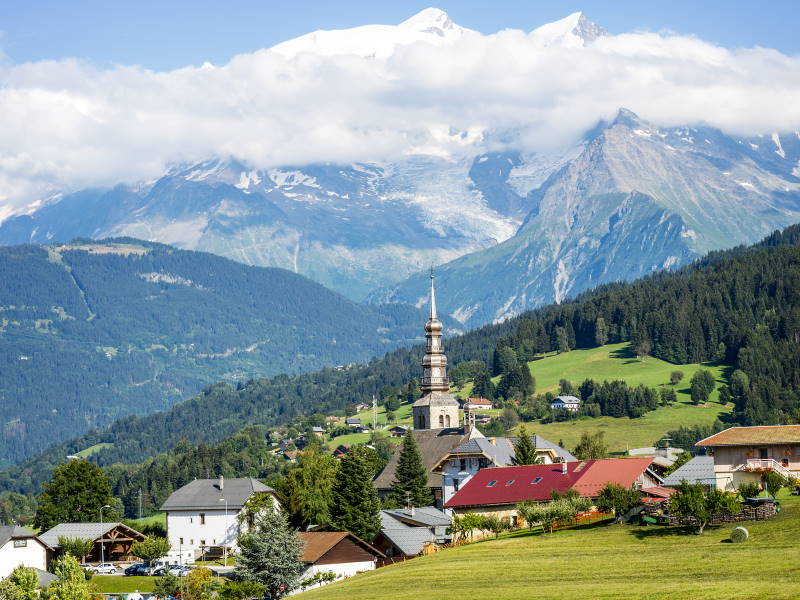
<point>165,34</point>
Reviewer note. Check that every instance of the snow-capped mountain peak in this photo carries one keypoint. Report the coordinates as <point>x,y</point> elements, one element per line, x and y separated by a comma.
<point>431,26</point>
<point>432,20</point>
<point>573,31</point>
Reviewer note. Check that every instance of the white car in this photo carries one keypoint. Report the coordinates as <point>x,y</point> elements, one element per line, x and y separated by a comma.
<point>104,569</point>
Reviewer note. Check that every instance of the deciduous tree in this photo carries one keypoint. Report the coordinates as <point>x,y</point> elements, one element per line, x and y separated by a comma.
<point>151,548</point>
<point>694,500</point>
<point>77,490</point>
<point>591,446</point>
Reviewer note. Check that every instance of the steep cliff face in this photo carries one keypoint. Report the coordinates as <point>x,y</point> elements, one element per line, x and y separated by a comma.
<point>637,199</point>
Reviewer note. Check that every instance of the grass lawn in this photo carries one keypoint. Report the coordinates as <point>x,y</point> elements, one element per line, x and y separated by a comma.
<point>157,519</point>
<point>122,584</point>
<point>599,562</point>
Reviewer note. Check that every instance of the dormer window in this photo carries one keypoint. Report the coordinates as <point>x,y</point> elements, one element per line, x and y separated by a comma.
<point>462,464</point>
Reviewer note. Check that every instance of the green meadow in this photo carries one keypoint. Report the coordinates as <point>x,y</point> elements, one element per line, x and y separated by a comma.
<point>599,562</point>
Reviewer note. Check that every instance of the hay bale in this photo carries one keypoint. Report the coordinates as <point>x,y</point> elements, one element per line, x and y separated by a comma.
<point>739,534</point>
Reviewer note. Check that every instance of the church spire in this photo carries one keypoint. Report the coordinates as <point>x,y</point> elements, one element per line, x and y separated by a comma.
<point>433,297</point>
<point>434,363</point>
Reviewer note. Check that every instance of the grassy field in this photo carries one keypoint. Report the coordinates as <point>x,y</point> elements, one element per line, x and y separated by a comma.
<point>615,361</point>
<point>599,562</point>
<point>121,584</point>
<point>402,414</point>
<point>87,452</point>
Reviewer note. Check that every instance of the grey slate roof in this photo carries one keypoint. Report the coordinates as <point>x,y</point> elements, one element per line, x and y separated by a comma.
<point>568,399</point>
<point>425,515</point>
<point>45,578</point>
<point>502,451</point>
<point>437,399</point>
<point>433,445</point>
<point>206,494</point>
<point>14,532</point>
<point>411,540</point>
<point>83,531</point>
<point>700,469</point>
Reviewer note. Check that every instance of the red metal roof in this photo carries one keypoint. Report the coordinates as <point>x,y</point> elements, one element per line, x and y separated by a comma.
<point>587,477</point>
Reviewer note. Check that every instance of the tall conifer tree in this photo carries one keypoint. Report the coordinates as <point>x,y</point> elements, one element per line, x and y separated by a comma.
<point>354,502</point>
<point>524,450</point>
<point>411,480</point>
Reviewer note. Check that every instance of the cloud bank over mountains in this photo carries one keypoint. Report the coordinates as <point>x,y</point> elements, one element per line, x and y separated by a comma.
<point>373,94</point>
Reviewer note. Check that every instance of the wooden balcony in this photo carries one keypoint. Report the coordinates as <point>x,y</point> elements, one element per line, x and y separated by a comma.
<point>765,464</point>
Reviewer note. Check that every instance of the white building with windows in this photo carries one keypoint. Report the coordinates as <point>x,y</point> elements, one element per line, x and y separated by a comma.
<point>19,546</point>
<point>203,515</point>
<point>567,402</point>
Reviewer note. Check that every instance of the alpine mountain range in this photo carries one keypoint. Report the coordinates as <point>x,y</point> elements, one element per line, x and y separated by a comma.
<point>507,230</point>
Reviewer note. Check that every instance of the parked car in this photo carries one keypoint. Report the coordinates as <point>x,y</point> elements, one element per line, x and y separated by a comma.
<point>136,569</point>
<point>104,569</point>
<point>179,570</point>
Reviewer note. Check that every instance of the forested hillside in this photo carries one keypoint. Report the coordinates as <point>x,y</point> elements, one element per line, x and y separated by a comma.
<point>94,331</point>
<point>742,305</point>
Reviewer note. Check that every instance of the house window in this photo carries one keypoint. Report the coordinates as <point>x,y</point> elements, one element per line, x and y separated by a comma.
<point>191,542</point>
<point>202,518</point>
<point>456,483</point>
<point>447,420</point>
<point>180,541</point>
<point>462,464</point>
<point>20,543</point>
<point>509,482</point>
<point>202,543</point>
<point>763,452</point>
<point>441,420</point>
<point>536,480</point>
<point>491,483</point>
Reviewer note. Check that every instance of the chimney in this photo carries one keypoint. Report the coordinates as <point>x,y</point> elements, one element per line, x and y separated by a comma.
<point>221,483</point>
<point>493,441</point>
<point>563,466</point>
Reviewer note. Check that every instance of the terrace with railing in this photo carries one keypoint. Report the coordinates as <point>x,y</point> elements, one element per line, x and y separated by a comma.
<point>765,464</point>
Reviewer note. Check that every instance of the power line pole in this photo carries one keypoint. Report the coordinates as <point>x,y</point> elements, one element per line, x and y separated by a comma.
<point>140,503</point>
<point>374,413</point>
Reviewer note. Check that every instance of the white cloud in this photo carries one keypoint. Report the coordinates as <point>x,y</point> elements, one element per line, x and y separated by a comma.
<point>69,124</point>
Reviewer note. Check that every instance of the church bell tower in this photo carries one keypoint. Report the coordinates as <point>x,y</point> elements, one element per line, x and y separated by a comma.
<point>436,409</point>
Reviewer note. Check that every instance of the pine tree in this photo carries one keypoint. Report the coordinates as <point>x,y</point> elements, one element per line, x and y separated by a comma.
<point>600,332</point>
<point>411,480</point>
<point>524,450</point>
<point>354,502</point>
<point>269,553</point>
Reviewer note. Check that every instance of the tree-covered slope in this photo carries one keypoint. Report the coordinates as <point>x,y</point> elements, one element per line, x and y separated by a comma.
<point>94,331</point>
<point>747,299</point>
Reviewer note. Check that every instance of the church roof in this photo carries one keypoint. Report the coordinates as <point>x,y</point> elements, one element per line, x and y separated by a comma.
<point>437,399</point>
<point>433,444</point>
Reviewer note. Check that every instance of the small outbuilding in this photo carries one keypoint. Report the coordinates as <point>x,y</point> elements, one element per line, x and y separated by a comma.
<point>337,552</point>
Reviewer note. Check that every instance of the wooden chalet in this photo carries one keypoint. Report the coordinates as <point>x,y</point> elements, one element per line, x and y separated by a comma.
<point>116,539</point>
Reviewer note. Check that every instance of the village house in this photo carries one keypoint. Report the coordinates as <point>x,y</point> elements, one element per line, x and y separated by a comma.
<point>116,539</point>
<point>497,491</point>
<point>458,466</point>
<point>318,431</point>
<point>663,456</point>
<point>408,532</point>
<point>203,515</point>
<point>398,431</point>
<point>744,453</point>
<point>353,422</point>
<point>337,552</point>
<point>476,404</point>
<point>20,546</point>
<point>361,406</point>
<point>570,403</point>
<point>362,429</point>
